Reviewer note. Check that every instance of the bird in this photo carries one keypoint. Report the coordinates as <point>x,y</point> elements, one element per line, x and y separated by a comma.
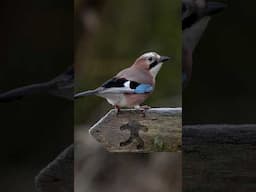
<point>60,86</point>
<point>131,86</point>
<point>196,15</point>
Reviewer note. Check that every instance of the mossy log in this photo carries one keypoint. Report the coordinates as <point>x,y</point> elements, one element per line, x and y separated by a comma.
<point>158,130</point>
<point>215,158</point>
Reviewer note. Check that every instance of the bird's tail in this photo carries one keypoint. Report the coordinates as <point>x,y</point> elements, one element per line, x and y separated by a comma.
<point>86,93</point>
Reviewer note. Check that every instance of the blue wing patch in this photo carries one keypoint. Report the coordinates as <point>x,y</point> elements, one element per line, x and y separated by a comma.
<point>143,88</point>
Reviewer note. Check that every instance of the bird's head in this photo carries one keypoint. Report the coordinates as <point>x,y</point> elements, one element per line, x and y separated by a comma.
<point>151,61</point>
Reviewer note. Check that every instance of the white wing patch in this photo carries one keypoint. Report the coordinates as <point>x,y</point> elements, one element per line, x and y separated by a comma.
<point>127,84</point>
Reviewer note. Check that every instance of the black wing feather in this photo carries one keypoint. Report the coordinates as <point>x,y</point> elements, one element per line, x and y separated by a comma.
<point>119,82</point>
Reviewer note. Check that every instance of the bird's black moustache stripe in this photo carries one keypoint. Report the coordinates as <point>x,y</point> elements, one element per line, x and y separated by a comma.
<point>189,21</point>
<point>153,64</point>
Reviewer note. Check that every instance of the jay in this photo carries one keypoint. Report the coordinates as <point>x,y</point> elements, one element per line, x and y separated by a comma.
<point>131,86</point>
<point>195,17</point>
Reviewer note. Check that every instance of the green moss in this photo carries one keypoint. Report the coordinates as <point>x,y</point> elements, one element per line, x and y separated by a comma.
<point>158,144</point>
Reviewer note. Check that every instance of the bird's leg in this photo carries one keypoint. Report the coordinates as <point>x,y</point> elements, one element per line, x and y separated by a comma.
<point>117,109</point>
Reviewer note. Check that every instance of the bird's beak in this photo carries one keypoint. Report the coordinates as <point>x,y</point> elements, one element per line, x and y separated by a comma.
<point>163,59</point>
<point>215,7</point>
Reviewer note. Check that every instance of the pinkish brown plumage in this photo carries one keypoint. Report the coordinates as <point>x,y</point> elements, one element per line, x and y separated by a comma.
<point>133,85</point>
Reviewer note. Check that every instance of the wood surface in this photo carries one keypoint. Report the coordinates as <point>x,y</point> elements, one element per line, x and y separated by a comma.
<point>130,131</point>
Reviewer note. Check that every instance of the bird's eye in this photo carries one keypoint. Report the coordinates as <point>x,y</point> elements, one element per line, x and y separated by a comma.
<point>150,59</point>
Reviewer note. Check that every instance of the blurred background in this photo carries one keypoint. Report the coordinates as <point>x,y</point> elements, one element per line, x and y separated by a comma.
<point>37,41</point>
<point>109,36</point>
<point>36,45</point>
<point>222,89</point>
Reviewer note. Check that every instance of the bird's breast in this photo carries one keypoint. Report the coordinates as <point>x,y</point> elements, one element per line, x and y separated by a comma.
<point>115,99</point>
<point>135,99</point>
<point>126,100</point>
